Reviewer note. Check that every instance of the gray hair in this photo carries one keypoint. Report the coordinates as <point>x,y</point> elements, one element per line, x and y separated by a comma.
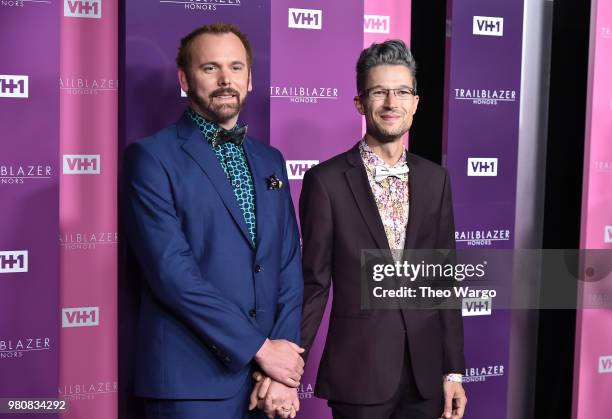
<point>390,52</point>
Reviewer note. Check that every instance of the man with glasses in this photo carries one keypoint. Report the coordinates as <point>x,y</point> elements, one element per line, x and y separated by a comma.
<point>381,363</point>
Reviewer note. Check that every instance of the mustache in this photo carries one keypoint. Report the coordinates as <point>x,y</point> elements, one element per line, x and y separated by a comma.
<point>224,91</point>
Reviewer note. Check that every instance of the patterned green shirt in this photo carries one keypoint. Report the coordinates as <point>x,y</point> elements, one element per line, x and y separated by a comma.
<point>234,163</point>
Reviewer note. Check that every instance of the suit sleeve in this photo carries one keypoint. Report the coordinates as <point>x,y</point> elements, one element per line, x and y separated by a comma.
<point>170,269</point>
<point>316,222</point>
<point>289,306</point>
<point>452,321</point>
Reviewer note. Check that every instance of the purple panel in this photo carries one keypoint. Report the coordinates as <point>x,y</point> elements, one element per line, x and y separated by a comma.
<point>29,190</point>
<point>481,144</point>
<point>314,52</point>
<point>153,30</point>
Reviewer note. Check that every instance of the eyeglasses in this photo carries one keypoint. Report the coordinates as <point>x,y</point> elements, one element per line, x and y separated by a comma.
<point>378,93</point>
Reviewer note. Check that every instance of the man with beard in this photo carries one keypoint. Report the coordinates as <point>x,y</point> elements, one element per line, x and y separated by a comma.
<point>210,220</point>
<point>379,363</point>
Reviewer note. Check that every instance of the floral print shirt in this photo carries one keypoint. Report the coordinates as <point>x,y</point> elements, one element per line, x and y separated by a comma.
<point>391,196</point>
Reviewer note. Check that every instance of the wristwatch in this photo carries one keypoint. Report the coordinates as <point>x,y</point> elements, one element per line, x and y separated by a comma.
<point>456,378</point>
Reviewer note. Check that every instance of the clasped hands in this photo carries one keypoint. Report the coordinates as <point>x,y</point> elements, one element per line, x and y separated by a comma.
<point>275,390</point>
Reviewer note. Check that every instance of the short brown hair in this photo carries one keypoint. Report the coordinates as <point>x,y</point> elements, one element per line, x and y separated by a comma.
<point>183,58</point>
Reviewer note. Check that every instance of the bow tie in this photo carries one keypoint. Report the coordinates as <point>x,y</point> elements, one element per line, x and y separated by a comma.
<point>383,172</point>
<point>235,136</point>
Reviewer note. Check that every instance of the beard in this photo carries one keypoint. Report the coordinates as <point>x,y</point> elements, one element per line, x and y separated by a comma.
<point>386,135</point>
<point>215,111</point>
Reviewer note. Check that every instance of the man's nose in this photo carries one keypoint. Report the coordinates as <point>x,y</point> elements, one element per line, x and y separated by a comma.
<point>224,77</point>
<point>391,101</point>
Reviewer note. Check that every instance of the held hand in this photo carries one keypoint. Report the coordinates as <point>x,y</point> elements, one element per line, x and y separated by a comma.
<point>281,400</point>
<point>274,398</point>
<point>281,361</point>
<point>454,400</point>
<point>260,390</point>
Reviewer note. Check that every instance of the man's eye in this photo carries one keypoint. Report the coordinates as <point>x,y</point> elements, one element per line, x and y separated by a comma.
<point>208,68</point>
<point>378,93</point>
<point>403,93</point>
<point>237,68</point>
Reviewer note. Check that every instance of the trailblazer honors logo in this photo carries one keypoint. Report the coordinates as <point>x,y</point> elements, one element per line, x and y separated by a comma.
<point>203,5</point>
<point>300,94</point>
<point>16,174</point>
<point>81,164</point>
<point>482,374</point>
<point>605,364</point>
<point>81,317</point>
<point>476,307</point>
<point>305,19</point>
<point>16,348</point>
<point>87,391</point>
<point>13,261</point>
<point>482,166</point>
<point>305,391</point>
<point>606,32</point>
<point>87,241</point>
<point>481,237</point>
<point>376,24</point>
<point>297,168</point>
<point>485,96</point>
<point>488,26</point>
<point>84,86</point>
<point>13,86</point>
<point>91,9</point>
<point>607,234</point>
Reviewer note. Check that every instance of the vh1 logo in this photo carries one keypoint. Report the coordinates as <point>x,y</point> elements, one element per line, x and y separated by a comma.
<point>305,18</point>
<point>83,8</point>
<point>13,261</point>
<point>376,24</point>
<point>487,25</point>
<point>476,307</point>
<point>605,364</point>
<point>13,86</point>
<point>81,164</point>
<point>81,317</point>
<point>297,168</point>
<point>482,166</point>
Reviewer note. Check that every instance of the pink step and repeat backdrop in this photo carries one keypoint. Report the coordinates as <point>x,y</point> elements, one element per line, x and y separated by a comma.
<point>61,154</point>
<point>593,356</point>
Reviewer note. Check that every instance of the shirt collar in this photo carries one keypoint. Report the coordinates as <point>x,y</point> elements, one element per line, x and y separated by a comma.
<point>371,159</point>
<point>207,127</point>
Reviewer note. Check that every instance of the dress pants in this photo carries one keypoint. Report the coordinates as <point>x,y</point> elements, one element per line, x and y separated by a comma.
<point>235,407</point>
<point>406,403</point>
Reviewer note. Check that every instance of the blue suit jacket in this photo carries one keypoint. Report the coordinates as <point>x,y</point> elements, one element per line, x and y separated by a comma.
<point>209,298</point>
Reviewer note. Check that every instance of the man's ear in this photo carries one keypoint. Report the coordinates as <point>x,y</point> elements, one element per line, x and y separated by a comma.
<point>250,86</point>
<point>359,105</point>
<point>183,80</point>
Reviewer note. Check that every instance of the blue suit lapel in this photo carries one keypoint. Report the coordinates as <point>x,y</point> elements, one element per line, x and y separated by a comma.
<point>203,155</point>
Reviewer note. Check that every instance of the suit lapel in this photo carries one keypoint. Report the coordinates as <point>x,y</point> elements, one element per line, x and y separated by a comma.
<point>360,187</point>
<point>416,199</point>
<point>202,154</point>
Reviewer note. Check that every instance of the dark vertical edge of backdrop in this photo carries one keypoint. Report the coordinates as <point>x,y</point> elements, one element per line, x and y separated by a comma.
<point>428,37</point>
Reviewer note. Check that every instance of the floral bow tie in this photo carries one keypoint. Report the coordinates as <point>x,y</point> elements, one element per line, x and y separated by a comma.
<point>383,172</point>
<point>235,136</point>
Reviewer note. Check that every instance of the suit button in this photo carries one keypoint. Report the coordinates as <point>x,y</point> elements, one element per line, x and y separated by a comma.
<point>253,312</point>
<point>227,359</point>
<point>258,269</point>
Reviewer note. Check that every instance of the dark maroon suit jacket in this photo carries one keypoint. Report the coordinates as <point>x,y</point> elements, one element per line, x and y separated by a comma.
<point>364,350</point>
